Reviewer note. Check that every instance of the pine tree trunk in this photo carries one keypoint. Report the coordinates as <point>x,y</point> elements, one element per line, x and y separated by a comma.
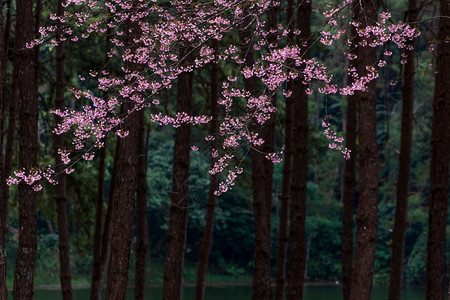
<point>176,235</point>
<point>287,170</point>
<point>13,102</point>
<point>99,264</point>
<point>366,219</point>
<point>123,200</point>
<point>206,241</point>
<point>141,210</point>
<point>439,164</point>
<point>60,192</point>
<point>261,286</point>
<point>299,170</point>
<point>28,138</point>
<point>348,196</point>
<point>401,209</point>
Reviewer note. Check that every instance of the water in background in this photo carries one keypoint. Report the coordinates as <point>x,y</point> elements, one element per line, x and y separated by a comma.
<point>311,292</point>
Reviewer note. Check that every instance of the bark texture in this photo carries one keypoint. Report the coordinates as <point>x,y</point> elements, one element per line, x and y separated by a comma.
<point>141,210</point>
<point>439,164</point>
<point>28,138</point>
<point>206,241</point>
<point>297,209</point>
<point>401,209</point>
<point>366,219</point>
<point>176,235</point>
<point>123,200</point>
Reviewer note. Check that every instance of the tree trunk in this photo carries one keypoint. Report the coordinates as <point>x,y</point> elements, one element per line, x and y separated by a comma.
<point>299,170</point>
<point>287,170</point>
<point>123,200</point>
<point>101,250</point>
<point>13,102</point>
<point>366,219</point>
<point>99,265</point>
<point>348,196</point>
<point>206,241</point>
<point>401,209</point>
<point>3,213</point>
<point>141,210</point>
<point>28,138</point>
<point>439,164</point>
<point>261,287</point>
<point>176,235</point>
<point>60,192</point>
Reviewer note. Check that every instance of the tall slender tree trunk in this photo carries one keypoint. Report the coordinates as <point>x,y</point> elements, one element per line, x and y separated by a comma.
<point>3,214</point>
<point>141,210</point>
<point>439,164</point>
<point>12,107</point>
<point>28,137</point>
<point>101,252</point>
<point>299,170</point>
<point>287,170</point>
<point>123,200</point>
<point>401,209</point>
<point>206,241</point>
<point>366,219</point>
<point>348,195</point>
<point>176,235</point>
<point>261,286</point>
<point>60,190</point>
<point>99,265</point>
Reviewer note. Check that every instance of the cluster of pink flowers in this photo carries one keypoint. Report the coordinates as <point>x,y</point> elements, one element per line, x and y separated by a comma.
<point>181,23</point>
<point>335,140</point>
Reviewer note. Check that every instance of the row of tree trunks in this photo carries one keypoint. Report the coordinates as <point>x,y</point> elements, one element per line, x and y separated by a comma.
<point>28,140</point>
<point>60,189</point>
<point>439,164</point>
<point>299,170</point>
<point>176,235</point>
<point>206,241</point>
<point>366,13</point>
<point>401,209</point>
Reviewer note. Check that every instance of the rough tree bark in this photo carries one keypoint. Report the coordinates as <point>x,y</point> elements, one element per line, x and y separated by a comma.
<point>141,209</point>
<point>439,164</point>
<point>299,170</point>
<point>206,241</point>
<point>176,235</point>
<point>60,189</point>
<point>287,170</point>
<point>401,209</point>
<point>28,138</point>
<point>123,200</point>
<point>366,13</point>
